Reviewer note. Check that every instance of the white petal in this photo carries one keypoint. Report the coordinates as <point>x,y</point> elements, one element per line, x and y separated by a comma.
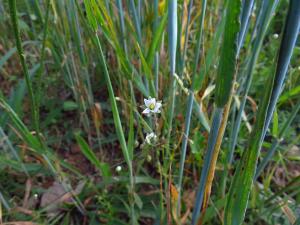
<point>157,107</point>
<point>151,135</point>
<point>150,138</point>
<point>152,101</point>
<point>147,102</point>
<point>146,111</point>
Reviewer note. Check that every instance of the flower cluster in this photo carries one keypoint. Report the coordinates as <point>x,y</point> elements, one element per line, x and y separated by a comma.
<point>151,138</point>
<point>152,107</point>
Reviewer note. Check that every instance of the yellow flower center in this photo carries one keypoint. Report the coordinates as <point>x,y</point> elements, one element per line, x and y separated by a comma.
<point>152,106</point>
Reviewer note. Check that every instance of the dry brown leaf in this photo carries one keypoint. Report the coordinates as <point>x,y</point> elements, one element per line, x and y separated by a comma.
<point>56,195</point>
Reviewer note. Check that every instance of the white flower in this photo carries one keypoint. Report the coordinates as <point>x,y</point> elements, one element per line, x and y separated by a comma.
<point>149,158</point>
<point>151,138</point>
<point>118,169</point>
<point>275,36</point>
<point>152,105</point>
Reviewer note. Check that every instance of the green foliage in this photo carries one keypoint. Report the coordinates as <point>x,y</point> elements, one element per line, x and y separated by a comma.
<point>228,54</point>
<point>76,147</point>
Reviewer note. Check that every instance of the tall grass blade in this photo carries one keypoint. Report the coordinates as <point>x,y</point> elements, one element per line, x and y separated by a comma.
<point>172,33</point>
<point>136,21</point>
<point>227,65</point>
<point>115,111</point>
<point>14,19</point>
<point>90,155</point>
<point>186,37</point>
<point>224,84</point>
<point>156,39</point>
<point>245,17</point>
<point>4,141</point>
<point>211,54</point>
<point>241,185</point>
<point>266,17</point>
<point>172,45</point>
<point>277,141</point>
<point>216,123</point>
<point>290,35</point>
<point>121,18</point>
<point>156,57</point>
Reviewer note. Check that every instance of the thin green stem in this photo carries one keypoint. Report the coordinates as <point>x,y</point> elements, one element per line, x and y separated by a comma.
<point>118,125</point>
<point>190,103</point>
<point>34,111</point>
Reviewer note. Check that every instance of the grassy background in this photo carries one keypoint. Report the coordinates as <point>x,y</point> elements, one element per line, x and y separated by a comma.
<point>71,100</point>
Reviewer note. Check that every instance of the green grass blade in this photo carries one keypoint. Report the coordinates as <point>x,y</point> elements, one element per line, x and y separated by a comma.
<point>266,19</point>
<point>121,18</point>
<point>10,146</point>
<point>290,35</point>
<point>227,65</point>
<point>172,45</point>
<point>242,182</point>
<point>275,144</point>
<point>130,142</point>
<point>115,111</point>
<point>225,79</point>
<point>136,21</point>
<point>114,107</point>
<point>216,123</point>
<point>156,39</point>
<point>186,35</point>
<point>34,112</point>
<point>90,155</point>
<point>172,33</point>
<point>210,56</point>
<point>245,17</point>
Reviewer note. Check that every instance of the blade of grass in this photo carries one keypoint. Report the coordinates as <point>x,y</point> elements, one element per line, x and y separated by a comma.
<point>186,37</point>
<point>215,126</point>
<point>34,111</point>
<point>245,17</point>
<point>172,34</point>
<point>156,39</point>
<point>121,18</point>
<point>115,111</point>
<point>118,126</point>
<point>6,141</point>
<point>172,46</point>
<point>288,42</point>
<point>266,19</point>
<point>90,155</point>
<point>242,182</point>
<point>136,21</point>
<point>277,141</point>
<point>211,55</point>
<point>41,65</point>
<point>156,56</point>
<point>224,87</point>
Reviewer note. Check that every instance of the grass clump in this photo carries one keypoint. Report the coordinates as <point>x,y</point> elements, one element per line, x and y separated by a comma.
<point>149,112</point>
